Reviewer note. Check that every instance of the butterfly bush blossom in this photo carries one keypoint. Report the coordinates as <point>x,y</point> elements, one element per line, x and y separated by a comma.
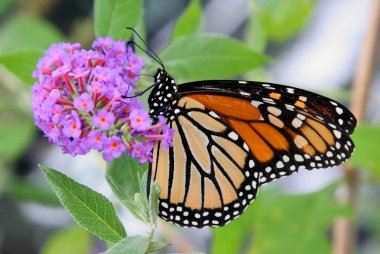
<point>80,101</point>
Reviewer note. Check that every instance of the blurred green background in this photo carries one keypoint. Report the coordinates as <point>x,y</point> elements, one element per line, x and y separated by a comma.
<point>313,44</point>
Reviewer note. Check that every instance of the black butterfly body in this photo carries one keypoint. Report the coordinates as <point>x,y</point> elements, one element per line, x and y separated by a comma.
<point>231,137</point>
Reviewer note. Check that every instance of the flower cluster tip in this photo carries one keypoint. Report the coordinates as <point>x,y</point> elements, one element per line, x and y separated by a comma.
<point>80,101</point>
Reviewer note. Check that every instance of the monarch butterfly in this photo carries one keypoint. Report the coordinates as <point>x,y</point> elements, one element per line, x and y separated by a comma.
<point>231,137</point>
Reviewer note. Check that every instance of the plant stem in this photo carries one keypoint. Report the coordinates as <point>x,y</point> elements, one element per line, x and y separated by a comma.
<point>344,231</point>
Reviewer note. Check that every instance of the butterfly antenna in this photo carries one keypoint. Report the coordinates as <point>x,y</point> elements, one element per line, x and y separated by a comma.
<point>158,60</point>
<point>139,94</point>
<point>146,52</point>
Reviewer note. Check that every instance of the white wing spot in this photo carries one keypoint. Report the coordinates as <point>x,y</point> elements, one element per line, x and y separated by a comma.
<point>274,111</point>
<point>337,134</point>
<point>298,157</point>
<point>263,179</point>
<point>280,164</point>
<point>302,98</point>
<point>301,117</point>
<point>290,90</point>
<point>251,164</point>
<point>289,107</point>
<point>256,103</point>
<point>233,135</point>
<point>339,110</point>
<point>244,93</point>
<point>242,82</point>
<point>296,122</point>
<point>213,114</point>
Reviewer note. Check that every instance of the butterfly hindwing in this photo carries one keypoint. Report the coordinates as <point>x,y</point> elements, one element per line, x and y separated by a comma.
<point>207,178</point>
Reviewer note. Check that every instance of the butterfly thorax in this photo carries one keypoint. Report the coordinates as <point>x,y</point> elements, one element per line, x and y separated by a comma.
<point>163,98</point>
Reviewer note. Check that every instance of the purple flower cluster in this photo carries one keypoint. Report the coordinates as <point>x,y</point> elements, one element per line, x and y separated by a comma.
<point>78,104</point>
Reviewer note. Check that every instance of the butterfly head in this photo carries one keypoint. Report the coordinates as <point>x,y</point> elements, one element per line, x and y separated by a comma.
<point>163,98</point>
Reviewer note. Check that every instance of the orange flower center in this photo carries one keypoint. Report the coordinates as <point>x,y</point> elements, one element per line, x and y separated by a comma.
<point>114,145</point>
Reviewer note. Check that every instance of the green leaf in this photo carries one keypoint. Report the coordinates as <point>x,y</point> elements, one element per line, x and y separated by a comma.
<point>22,32</point>
<point>154,194</point>
<point>15,135</point>
<point>190,21</point>
<point>22,190</point>
<point>255,34</point>
<point>130,245</point>
<point>283,19</point>
<point>22,63</point>
<point>155,246</point>
<point>73,240</point>
<point>277,223</point>
<point>367,153</point>
<point>113,16</point>
<point>197,57</point>
<point>90,209</point>
<point>124,175</point>
<point>5,5</point>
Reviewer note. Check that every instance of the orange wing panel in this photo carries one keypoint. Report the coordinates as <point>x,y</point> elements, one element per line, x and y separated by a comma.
<point>229,106</point>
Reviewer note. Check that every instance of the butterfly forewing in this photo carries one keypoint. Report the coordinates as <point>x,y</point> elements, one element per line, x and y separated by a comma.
<point>283,130</point>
